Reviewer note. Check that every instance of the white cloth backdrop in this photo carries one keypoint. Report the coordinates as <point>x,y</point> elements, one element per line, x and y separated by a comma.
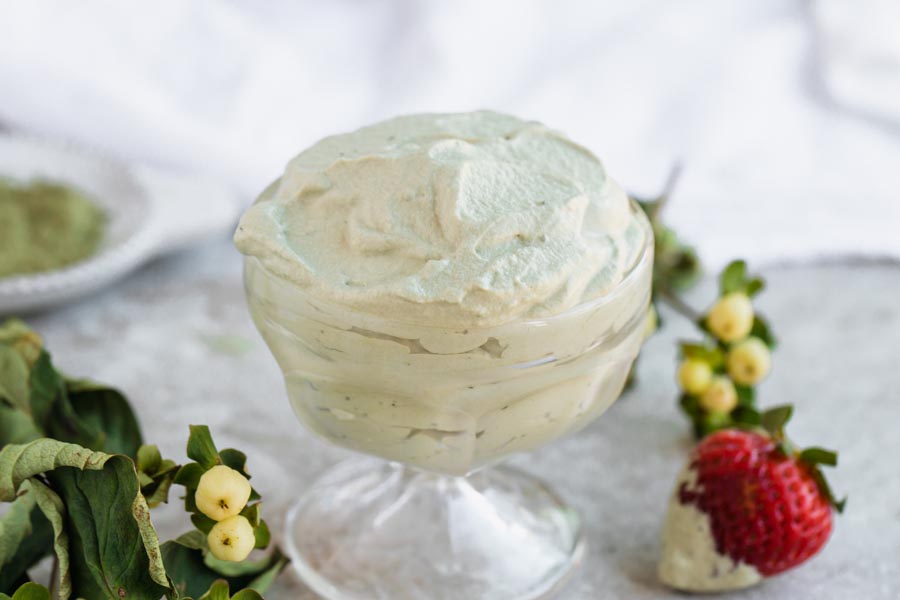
<point>785,113</point>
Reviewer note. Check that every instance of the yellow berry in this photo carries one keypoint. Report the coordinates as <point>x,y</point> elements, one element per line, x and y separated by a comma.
<point>749,361</point>
<point>720,397</point>
<point>231,539</point>
<point>695,376</point>
<point>731,318</point>
<point>222,493</point>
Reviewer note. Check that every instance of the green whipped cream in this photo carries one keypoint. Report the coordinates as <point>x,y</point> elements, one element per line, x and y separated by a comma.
<point>46,226</point>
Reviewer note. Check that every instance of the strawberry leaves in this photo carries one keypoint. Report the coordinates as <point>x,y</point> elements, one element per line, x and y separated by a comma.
<point>774,422</point>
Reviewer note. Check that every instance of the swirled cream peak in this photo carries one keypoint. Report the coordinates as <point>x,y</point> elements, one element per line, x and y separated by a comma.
<point>468,219</point>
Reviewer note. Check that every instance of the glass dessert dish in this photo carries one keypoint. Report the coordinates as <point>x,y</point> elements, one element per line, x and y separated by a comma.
<point>430,517</point>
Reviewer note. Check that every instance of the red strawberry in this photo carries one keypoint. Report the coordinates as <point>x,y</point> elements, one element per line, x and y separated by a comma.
<point>747,506</point>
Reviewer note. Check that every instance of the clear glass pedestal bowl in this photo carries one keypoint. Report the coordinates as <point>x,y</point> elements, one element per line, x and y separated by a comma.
<point>431,517</point>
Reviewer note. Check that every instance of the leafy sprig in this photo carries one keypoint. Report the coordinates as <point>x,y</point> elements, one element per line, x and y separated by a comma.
<point>773,421</point>
<point>80,483</point>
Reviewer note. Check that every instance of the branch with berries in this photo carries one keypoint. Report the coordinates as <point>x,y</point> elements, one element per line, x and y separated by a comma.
<point>749,504</point>
<point>80,483</point>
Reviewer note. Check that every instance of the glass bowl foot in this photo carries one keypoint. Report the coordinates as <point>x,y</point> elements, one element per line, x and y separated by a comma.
<point>372,530</point>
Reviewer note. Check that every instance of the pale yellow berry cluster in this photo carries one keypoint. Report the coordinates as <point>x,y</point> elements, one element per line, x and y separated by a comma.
<point>221,495</point>
<point>747,359</point>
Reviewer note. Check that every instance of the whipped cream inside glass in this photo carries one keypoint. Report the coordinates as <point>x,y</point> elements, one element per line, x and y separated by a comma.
<point>443,290</point>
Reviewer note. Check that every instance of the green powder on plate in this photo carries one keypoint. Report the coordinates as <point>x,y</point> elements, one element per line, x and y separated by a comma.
<point>46,226</point>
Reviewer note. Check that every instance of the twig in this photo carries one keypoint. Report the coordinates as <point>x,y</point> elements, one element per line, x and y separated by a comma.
<point>54,577</point>
<point>678,305</point>
<point>668,188</point>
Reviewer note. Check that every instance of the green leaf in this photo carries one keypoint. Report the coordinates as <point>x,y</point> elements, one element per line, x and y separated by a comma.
<point>825,489</point>
<point>25,538</point>
<point>148,458</point>
<point>247,594</point>
<point>746,395</point>
<point>52,508</point>
<point>263,535</point>
<point>774,419</point>
<point>243,573</point>
<point>252,512</point>
<point>113,547</point>
<point>218,591</point>
<point>762,331</point>
<point>691,406</point>
<point>54,412</point>
<point>732,278</point>
<point>14,376</point>
<point>839,505</point>
<point>16,426</point>
<point>30,591</point>
<point>189,475</point>
<point>192,573</point>
<point>104,540</point>
<point>713,421</point>
<point>200,447</point>
<point>155,475</point>
<point>105,410</point>
<point>235,459</point>
<point>19,462</point>
<point>21,338</point>
<point>46,387</point>
<point>202,522</point>
<point>746,415</point>
<point>819,456</point>
<point>190,577</point>
<point>193,539</point>
<point>712,355</point>
<point>755,286</point>
<point>157,492</point>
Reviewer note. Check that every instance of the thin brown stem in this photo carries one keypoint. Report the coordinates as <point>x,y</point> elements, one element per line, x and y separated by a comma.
<point>678,305</point>
<point>668,188</point>
<point>54,577</point>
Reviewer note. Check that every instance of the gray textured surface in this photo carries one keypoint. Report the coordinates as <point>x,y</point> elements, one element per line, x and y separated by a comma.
<point>177,339</point>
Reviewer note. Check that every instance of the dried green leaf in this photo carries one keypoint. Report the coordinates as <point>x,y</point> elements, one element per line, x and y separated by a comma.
<point>25,538</point>
<point>14,374</point>
<point>54,511</point>
<point>104,542</point>
<point>105,412</point>
<point>16,426</point>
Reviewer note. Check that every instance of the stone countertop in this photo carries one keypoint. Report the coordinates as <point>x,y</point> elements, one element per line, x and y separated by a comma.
<point>177,338</point>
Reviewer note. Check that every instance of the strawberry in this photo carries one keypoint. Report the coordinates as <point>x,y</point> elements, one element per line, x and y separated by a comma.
<point>747,506</point>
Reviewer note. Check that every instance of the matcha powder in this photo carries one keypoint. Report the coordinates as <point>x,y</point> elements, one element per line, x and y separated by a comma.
<point>45,226</point>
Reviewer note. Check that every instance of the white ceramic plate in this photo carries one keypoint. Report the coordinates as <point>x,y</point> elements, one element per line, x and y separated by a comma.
<point>148,211</point>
